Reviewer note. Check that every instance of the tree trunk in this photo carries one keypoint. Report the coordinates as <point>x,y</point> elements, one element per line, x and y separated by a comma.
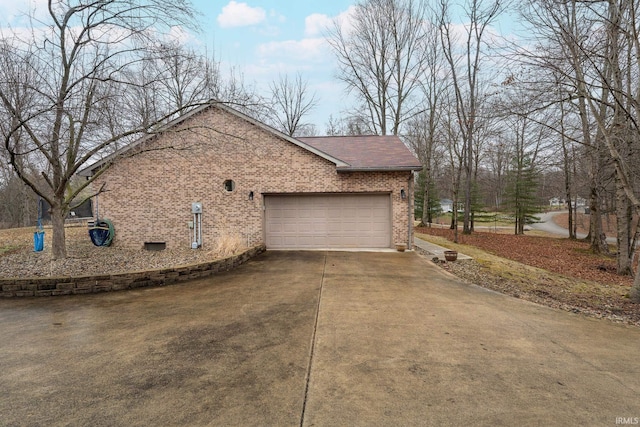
<point>426,212</point>
<point>466,227</point>
<point>454,218</point>
<point>26,201</point>
<point>623,215</point>
<point>426,217</point>
<point>58,244</point>
<point>520,220</point>
<point>598,243</point>
<point>635,289</point>
<point>572,234</point>
<point>575,220</point>
<point>575,211</point>
<point>567,174</point>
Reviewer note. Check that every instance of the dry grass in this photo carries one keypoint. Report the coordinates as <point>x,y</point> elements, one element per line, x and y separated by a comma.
<point>548,271</point>
<point>227,245</point>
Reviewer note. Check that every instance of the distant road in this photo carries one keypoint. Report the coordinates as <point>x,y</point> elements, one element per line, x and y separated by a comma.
<point>549,226</point>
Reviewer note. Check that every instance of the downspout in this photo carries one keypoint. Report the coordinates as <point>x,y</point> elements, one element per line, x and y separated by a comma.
<point>409,215</point>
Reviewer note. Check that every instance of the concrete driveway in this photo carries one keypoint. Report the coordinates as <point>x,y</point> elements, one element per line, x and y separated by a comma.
<point>313,338</point>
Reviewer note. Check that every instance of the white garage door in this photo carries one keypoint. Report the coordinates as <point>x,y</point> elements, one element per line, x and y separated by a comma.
<point>328,221</point>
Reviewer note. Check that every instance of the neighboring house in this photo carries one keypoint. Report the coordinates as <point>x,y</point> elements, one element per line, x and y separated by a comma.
<point>446,205</point>
<point>253,182</point>
<point>558,202</point>
<point>555,202</point>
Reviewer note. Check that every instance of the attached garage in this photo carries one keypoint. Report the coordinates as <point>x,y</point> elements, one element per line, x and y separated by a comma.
<point>256,186</point>
<point>326,221</point>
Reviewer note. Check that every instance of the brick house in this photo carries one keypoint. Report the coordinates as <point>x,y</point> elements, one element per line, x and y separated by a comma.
<point>243,178</point>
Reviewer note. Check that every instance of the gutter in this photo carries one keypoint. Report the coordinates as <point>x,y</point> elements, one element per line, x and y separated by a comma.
<point>379,169</point>
<point>411,195</point>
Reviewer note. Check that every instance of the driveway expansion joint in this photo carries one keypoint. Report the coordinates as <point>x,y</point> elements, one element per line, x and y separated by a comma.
<point>313,344</point>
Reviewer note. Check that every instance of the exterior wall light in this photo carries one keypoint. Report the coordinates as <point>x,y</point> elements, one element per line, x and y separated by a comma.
<point>250,195</point>
<point>403,194</point>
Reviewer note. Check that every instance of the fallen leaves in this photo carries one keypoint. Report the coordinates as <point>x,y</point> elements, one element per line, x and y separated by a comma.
<point>555,272</point>
<point>568,257</point>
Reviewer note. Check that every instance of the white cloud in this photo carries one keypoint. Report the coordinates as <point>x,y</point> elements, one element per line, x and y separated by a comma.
<point>308,50</point>
<point>316,23</point>
<point>17,12</point>
<point>237,14</point>
<point>281,19</point>
<point>181,35</point>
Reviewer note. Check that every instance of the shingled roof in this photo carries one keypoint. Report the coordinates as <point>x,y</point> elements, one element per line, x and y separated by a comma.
<point>366,153</point>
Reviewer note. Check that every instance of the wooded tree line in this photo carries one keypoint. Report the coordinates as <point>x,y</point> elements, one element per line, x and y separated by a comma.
<point>497,117</point>
<point>491,119</point>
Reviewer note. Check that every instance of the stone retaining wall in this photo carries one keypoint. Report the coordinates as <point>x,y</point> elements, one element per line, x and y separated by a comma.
<point>52,286</point>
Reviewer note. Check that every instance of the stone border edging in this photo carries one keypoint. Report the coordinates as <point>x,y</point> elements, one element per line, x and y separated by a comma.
<point>54,286</point>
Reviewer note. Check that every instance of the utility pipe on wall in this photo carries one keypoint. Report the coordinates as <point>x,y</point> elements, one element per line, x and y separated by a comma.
<point>196,210</point>
<point>410,214</point>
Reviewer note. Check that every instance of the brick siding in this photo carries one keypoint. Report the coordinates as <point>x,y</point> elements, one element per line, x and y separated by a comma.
<point>148,196</point>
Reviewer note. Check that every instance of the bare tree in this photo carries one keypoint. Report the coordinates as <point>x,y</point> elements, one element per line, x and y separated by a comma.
<point>423,128</point>
<point>291,102</point>
<point>599,40</point>
<point>449,133</point>
<point>185,84</point>
<point>173,78</point>
<point>466,77</point>
<point>563,34</point>
<point>17,208</point>
<point>567,162</point>
<point>353,125</point>
<point>74,69</point>
<point>381,59</point>
<point>333,127</point>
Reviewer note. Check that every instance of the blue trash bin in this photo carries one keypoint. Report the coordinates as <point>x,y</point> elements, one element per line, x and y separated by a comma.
<point>38,241</point>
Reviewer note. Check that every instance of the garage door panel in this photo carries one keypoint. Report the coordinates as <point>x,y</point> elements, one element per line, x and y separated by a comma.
<point>367,227</point>
<point>289,227</point>
<point>328,221</point>
<point>332,228</point>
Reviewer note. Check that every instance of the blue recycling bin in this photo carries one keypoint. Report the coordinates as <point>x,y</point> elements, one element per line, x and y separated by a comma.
<point>38,241</point>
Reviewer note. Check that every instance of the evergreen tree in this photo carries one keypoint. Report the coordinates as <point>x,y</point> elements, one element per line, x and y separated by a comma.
<point>522,185</point>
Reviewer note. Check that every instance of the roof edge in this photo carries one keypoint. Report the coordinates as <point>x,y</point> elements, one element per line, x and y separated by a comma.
<point>380,169</point>
<point>89,170</point>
